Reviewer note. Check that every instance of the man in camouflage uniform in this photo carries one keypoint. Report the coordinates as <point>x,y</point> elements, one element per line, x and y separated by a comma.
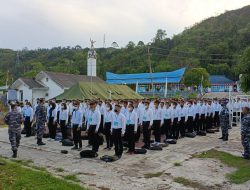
<point>245,132</point>
<point>224,121</point>
<point>40,115</point>
<point>14,120</point>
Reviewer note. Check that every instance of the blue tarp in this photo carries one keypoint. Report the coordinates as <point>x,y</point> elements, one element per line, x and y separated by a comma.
<point>220,79</point>
<point>145,78</point>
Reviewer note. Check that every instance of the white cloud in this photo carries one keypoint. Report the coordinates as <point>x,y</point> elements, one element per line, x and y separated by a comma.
<point>48,23</point>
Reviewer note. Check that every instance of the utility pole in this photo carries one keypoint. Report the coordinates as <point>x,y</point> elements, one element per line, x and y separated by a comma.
<point>150,71</point>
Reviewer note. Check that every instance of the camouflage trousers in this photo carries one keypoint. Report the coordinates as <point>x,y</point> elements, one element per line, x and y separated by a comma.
<point>224,129</point>
<point>14,138</point>
<point>246,145</point>
<point>39,130</point>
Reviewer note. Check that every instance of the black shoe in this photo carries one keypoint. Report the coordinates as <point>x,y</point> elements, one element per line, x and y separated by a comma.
<point>221,137</point>
<point>14,154</point>
<point>41,143</point>
<point>225,138</point>
<point>74,148</point>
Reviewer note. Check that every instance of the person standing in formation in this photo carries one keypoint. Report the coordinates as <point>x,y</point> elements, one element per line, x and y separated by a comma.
<point>14,120</point>
<point>118,129</point>
<point>77,118</point>
<point>94,121</point>
<point>224,121</point>
<point>40,117</point>
<point>245,133</point>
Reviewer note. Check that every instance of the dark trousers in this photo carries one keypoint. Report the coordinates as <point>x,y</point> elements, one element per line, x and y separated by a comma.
<point>196,122</point>
<point>167,127</point>
<point>27,126</point>
<point>94,138</point>
<point>52,128</point>
<point>107,132</point>
<point>146,133</point>
<point>138,133</point>
<point>77,136</point>
<point>117,137</point>
<point>190,124</point>
<point>157,130</point>
<point>203,123</point>
<point>101,124</point>
<point>209,121</point>
<point>175,129</point>
<point>216,119</point>
<point>182,127</point>
<point>130,131</point>
<point>63,129</point>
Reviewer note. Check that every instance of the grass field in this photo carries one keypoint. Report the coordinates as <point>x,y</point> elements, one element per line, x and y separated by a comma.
<point>17,176</point>
<point>241,175</point>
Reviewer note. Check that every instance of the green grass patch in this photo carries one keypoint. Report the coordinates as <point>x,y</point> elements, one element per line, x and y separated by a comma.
<point>150,175</point>
<point>177,164</point>
<point>189,183</point>
<point>14,176</point>
<point>72,177</point>
<point>241,175</point>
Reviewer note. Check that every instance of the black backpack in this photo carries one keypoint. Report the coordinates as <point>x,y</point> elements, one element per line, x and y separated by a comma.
<point>171,141</point>
<point>140,151</point>
<point>67,142</point>
<point>191,135</point>
<point>107,158</point>
<point>88,154</point>
<point>202,133</point>
<point>155,148</point>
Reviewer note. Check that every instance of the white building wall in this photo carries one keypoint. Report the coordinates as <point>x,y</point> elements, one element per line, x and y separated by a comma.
<point>37,93</point>
<point>54,89</point>
<point>27,92</point>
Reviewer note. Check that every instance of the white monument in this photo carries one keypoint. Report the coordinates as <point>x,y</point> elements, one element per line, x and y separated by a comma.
<point>91,62</point>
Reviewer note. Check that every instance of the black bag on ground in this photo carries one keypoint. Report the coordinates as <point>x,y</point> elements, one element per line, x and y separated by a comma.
<point>88,154</point>
<point>210,131</point>
<point>67,142</point>
<point>85,137</point>
<point>202,133</point>
<point>171,141</point>
<point>140,151</point>
<point>46,135</point>
<point>191,135</point>
<point>155,148</point>
<point>64,151</point>
<point>107,158</point>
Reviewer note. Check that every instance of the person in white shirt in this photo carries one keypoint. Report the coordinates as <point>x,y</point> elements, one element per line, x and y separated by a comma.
<point>190,117</point>
<point>183,120</point>
<point>138,110</point>
<point>93,124</point>
<point>51,120</point>
<point>118,126</point>
<point>28,118</point>
<point>209,115</point>
<point>175,119</point>
<point>63,119</point>
<point>131,128</point>
<point>76,123</point>
<point>146,122</point>
<point>108,114</point>
<point>157,121</point>
<point>196,110</point>
<point>216,109</point>
<point>167,120</point>
<point>203,113</point>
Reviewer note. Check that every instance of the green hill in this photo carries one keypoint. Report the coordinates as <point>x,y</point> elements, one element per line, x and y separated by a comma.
<point>215,43</point>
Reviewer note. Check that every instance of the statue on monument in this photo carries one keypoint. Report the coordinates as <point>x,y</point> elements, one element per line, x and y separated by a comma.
<point>92,52</point>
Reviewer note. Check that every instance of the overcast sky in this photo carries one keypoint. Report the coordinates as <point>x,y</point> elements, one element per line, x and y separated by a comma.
<point>50,23</point>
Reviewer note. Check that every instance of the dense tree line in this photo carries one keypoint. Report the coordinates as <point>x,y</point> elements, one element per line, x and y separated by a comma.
<point>215,44</point>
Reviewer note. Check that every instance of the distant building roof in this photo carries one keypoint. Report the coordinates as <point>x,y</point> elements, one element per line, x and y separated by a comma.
<point>66,80</point>
<point>220,79</point>
<point>30,82</point>
<point>146,78</point>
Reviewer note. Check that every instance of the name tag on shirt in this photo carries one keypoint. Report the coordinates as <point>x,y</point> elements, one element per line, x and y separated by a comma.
<point>144,118</point>
<point>128,122</point>
<point>116,123</point>
<point>90,119</point>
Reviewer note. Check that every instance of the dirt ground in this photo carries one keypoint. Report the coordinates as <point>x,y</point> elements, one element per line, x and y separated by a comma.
<point>154,170</point>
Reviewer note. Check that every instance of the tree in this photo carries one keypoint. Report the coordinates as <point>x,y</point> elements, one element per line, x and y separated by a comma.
<point>195,76</point>
<point>140,44</point>
<point>244,69</point>
<point>130,45</point>
<point>160,35</point>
